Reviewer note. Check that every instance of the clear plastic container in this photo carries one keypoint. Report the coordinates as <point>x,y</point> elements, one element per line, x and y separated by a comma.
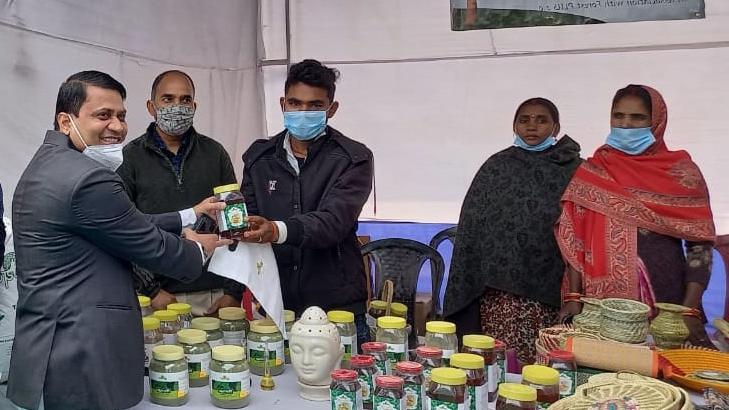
<point>484,346</point>
<point>366,370</point>
<point>232,221</point>
<point>431,358</point>
<point>168,379</point>
<point>211,326</point>
<point>290,319</point>
<point>345,391</point>
<point>477,385</point>
<point>145,305</point>
<point>414,386</point>
<point>265,337</point>
<point>184,312</point>
<point>198,354</point>
<point>169,325</point>
<point>564,362</point>
<point>514,396</point>
<point>391,331</point>
<point>347,332</point>
<point>389,393</point>
<point>234,326</point>
<point>545,381</point>
<point>230,378</point>
<point>152,338</point>
<point>378,351</point>
<point>500,353</point>
<point>447,389</point>
<point>442,335</point>
<point>376,310</point>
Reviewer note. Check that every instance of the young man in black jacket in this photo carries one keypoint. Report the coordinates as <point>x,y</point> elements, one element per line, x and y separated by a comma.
<point>306,187</point>
<point>170,167</point>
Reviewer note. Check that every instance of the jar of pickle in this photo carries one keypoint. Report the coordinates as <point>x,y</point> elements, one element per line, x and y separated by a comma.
<point>169,325</point>
<point>366,370</point>
<point>265,345</point>
<point>500,353</point>
<point>198,354</point>
<point>513,396</point>
<point>211,326</point>
<point>564,363</point>
<point>345,391</point>
<point>152,338</point>
<point>484,346</point>
<point>401,310</point>
<point>184,312</point>
<point>431,358</point>
<point>443,335</point>
<point>168,380</point>
<point>145,305</point>
<point>376,310</point>
<point>347,332</point>
<point>391,331</point>
<point>545,381</point>
<point>289,319</point>
<point>447,389</point>
<point>230,378</point>
<point>378,351</point>
<point>233,219</point>
<point>389,393</point>
<point>234,325</point>
<point>476,382</point>
<point>414,386</point>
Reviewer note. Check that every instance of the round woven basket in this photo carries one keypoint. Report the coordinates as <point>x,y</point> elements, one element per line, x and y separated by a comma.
<point>624,320</point>
<point>588,321</point>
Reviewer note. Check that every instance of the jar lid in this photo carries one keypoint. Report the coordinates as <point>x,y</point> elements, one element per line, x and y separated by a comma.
<point>540,375</point>
<point>289,316</point>
<point>168,353</point>
<point>391,322</point>
<point>362,360</point>
<point>206,323</point>
<point>144,301</point>
<point>191,336</point>
<point>478,341</point>
<point>340,316</point>
<point>429,352</point>
<point>150,323</point>
<point>265,326</point>
<point>498,344</point>
<point>448,376</point>
<point>165,315</point>
<point>229,353</point>
<point>232,313</point>
<point>374,347</point>
<point>225,188</point>
<point>378,304</point>
<point>562,355</point>
<point>518,392</point>
<point>437,326</point>
<point>398,309</point>
<point>409,367</point>
<point>389,382</point>
<point>467,361</point>
<point>180,308</point>
<point>344,375</point>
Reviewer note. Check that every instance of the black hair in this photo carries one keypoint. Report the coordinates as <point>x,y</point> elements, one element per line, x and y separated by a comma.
<point>72,93</point>
<point>553,111</point>
<point>161,77</point>
<point>634,91</point>
<point>314,74</point>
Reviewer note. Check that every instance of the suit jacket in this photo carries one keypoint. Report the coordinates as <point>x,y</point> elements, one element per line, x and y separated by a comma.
<point>79,338</point>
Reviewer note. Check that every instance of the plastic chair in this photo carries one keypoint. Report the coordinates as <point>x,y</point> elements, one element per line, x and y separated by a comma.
<point>437,281</point>
<point>722,246</point>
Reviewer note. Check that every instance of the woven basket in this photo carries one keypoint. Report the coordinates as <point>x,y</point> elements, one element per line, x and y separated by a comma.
<point>549,337</point>
<point>624,320</point>
<point>682,363</point>
<point>588,321</point>
<point>542,354</point>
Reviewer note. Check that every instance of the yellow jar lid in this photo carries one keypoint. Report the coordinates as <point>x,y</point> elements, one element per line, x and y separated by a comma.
<point>225,188</point>
<point>150,323</point>
<point>264,326</point>
<point>448,376</point>
<point>437,326</point>
<point>391,322</point>
<point>479,341</point>
<point>144,301</point>
<point>378,304</point>
<point>518,392</point>
<point>232,313</point>
<point>166,315</point>
<point>168,353</point>
<point>206,323</point>
<point>540,375</point>
<point>289,316</point>
<point>340,316</point>
<point>192,336</point>
<point>398,309</point>
<point>229,353</point>
<point>180,308</point>
<point>467,361</point>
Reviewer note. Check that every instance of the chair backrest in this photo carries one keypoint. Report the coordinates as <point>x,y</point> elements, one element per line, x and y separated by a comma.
<point>722,246</point>
<point>437,280</point>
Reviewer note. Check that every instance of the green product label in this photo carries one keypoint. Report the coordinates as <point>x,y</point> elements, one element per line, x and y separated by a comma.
<point>235,216</point>
<point>567,383</point>
<point>343,400</point>
<point>542,406</point>
<point>444,405</point>
<point>257,353</point>
<point>168,385</point>
<point>395,354</point>
<point>368,388</point>
<point>501,363</point>
<point>413,396</point>
<point>383,366</point>
<point>387,403</point>
<point>229,386</point>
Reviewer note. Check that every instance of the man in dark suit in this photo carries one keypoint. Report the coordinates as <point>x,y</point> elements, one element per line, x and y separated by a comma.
<point>79,342</point>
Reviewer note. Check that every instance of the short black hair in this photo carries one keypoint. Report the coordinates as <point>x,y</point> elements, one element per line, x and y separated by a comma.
<point>553,111</point>
<point>161,77</point>
<point>314,74</point>
<point>634,91</point>
<point>72,93</point>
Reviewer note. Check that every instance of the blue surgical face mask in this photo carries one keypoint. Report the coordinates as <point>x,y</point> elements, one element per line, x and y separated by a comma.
<point>305,125</point>
<point>632,141</point>
<point>548,142</point>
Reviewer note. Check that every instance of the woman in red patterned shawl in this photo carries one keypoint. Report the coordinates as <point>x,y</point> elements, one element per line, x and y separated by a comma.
<point>628,212</point>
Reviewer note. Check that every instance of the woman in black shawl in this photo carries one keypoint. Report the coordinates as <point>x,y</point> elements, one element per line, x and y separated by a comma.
<point>506,272</point>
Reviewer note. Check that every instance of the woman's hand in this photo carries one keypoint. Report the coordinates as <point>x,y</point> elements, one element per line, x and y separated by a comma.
<point>697,332</point>
<point>569,310</point>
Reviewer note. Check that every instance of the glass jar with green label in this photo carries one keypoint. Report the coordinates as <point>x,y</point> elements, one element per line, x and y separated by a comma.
<point>184,313</point>
<point>197,351</point>
<point>169,325</point>
<point>442,335</point>
<point>366,370</point>
<point>234,325</point>
<point>211,326</point>
<point>168,379</point>
<point>391,332</point>
<point>483,346</point>
<point>345,391</point>
<point>232,220</point>
<point>431,358</point>
<point>379,352</point>
<point>145,305</point>
<point>447,390</point>
<point>230,378</point>
<point>414,387</point>
<point>152,338</point>
<point>389,393</point>
<point>476,383</point>
<point>265,342</point>
<point>347,331</point>
<point>289,319</point>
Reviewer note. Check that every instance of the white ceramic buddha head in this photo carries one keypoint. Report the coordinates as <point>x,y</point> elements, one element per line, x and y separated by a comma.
<point>315,348</point>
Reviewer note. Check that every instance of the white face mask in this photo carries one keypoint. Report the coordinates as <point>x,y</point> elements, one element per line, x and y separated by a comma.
<point>109,155</point>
